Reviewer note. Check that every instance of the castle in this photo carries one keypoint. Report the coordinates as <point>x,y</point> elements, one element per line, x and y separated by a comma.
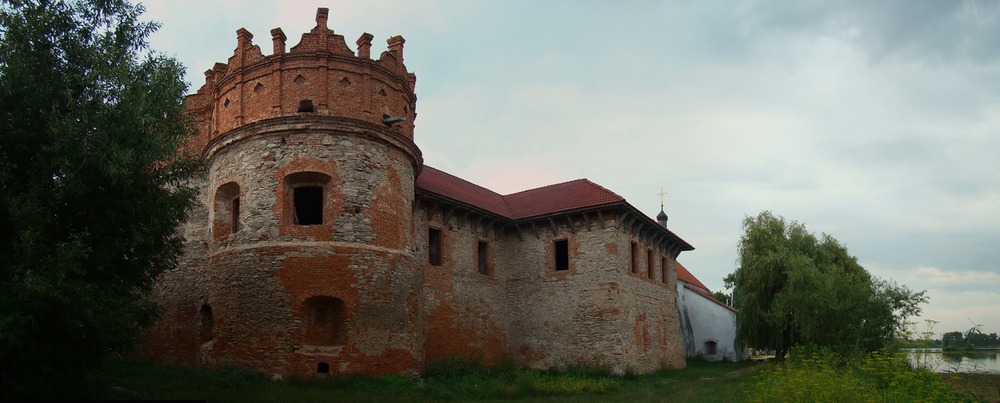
<point>322,244</point>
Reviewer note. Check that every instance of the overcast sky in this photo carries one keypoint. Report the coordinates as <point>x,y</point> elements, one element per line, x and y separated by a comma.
<point>875,122</point>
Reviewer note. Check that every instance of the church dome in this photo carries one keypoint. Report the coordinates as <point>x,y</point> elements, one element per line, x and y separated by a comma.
<point>662,218</point>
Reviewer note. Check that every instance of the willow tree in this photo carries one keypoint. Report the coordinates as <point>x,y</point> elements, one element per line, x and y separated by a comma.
<point>793,288</point>
<point>91,187</point>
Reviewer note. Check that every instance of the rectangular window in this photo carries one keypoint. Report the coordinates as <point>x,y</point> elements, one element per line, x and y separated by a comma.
<point>236,214</point>
<point>481,257</point>
<point>434,246</point>
<point>649,264</point>
<point>308,205</point>
<point>663,271</point>
<point>634,260</point>
<point>562,255</point>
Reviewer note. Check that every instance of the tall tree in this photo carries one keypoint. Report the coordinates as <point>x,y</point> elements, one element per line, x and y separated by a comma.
<point>91,186</point>
<point>953,339</point>
<point>793,287</point>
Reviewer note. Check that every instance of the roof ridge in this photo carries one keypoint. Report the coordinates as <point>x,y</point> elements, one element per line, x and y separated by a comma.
<point>709,297</point>
<point>562,196</point>
<point>604,188</point>
<point>549,185</point>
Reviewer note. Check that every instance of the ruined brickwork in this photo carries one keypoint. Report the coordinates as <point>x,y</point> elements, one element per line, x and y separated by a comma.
<point>322,244</point>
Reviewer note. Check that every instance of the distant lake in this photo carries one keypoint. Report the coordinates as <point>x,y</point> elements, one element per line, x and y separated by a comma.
<point>937,361</point>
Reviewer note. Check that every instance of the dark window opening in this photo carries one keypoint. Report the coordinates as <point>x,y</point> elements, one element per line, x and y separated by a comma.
<point>710,348</point>
<point>305,198</point>
<point>481,258</point>
<point>434,246</point>
<point>306,105</point>
<point>205,327</point>
<point>649,265</point>
<point>236,214</point>
<point>308,205</point>
<point>324,321</point>
<point>562,255</point>
<point>634,259</point>
<point>663,271</point>
<point>323,368</point>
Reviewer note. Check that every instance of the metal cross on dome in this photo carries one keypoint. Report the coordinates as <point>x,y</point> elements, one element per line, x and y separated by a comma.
<point>661,193</point>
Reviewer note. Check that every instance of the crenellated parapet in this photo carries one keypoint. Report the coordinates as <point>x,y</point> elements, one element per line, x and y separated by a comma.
<point>320,76</point>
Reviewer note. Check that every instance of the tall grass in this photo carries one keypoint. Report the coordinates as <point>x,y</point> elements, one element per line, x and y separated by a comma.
<point>819,375</point>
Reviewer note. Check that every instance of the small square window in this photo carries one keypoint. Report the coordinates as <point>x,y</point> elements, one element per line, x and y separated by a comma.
<point>306,105</point>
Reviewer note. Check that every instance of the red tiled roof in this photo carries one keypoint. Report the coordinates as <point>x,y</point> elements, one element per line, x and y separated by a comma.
<point>566,196</point>
<point>461,190</point>
<point>684,275</point>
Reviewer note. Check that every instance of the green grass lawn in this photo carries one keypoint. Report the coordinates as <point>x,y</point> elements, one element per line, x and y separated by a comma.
<point>469,381</point>
<point>699,382</point>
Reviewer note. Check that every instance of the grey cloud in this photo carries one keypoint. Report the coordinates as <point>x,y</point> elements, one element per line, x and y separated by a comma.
<point>928,30</point>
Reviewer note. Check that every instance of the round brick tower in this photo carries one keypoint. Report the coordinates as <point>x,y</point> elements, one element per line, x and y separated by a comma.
<point>301,259</point>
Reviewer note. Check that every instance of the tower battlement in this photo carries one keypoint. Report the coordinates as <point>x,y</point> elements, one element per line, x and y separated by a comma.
<point>318,77</point>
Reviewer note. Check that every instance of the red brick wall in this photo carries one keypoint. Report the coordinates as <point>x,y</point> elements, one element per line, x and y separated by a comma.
<point>253,87</point>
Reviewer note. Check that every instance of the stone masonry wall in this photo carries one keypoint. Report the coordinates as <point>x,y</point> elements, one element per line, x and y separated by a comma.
<point>465,310</point>
<point>596,312</point>
<point>256,280</point>
<point>180,292</point>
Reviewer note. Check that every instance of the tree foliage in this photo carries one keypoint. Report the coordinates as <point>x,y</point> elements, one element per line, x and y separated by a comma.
<point>953,339</point>
<point>722,297</point>
<point>794,288</point>
<point>91,186</point>
<point>969,340</point>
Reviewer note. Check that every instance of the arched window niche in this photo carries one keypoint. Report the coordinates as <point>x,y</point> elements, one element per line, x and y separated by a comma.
<point>324,321</point>
<point>227,211</point>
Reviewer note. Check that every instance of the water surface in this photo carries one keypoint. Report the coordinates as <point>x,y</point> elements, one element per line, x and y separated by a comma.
<point>936,360</point>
